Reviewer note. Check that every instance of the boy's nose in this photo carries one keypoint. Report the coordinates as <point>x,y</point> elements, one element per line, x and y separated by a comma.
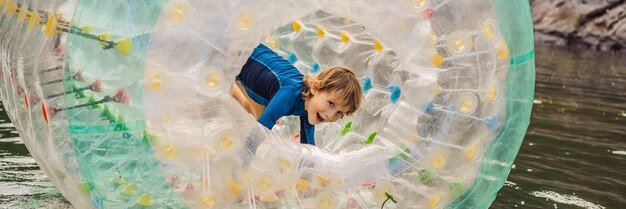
<point>332,116</point>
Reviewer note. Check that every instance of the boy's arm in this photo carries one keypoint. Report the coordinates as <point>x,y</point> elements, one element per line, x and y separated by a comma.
<point>307,132</point>
<point>280,104</point>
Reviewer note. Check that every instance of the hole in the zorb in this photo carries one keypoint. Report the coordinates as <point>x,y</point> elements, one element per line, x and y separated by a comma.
<point>314,44</point>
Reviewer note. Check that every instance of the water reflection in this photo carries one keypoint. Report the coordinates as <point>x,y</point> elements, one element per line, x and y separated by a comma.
<point>574,154</point>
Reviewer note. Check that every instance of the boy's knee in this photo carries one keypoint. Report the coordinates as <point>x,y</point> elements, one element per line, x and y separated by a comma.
<point>233,91</point>
<point>238,95</point>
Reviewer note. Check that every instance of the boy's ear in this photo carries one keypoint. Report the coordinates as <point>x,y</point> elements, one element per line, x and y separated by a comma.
<point>314,87</point>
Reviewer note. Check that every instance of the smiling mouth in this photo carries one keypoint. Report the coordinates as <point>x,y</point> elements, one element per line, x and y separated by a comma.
<point>319,117</point>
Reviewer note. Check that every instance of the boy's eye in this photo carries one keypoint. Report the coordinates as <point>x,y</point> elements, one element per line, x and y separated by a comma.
<point>340,114</point>
<point>331,104</point>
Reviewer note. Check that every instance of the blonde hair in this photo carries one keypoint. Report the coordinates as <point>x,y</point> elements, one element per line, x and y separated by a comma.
<point>337,79</point>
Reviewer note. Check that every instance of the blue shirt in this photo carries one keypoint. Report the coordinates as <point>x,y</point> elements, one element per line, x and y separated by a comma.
<point>273,82</point>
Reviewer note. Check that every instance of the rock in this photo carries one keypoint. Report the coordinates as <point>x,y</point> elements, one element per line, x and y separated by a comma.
<point>598,24</point>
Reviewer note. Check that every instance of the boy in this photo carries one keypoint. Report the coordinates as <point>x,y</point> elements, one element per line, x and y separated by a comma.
<point>269,87</point>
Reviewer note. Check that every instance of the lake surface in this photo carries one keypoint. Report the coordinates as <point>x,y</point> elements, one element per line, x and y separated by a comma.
<point>573,155</point>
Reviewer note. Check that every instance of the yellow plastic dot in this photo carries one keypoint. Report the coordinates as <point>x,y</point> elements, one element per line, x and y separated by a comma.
<point>471,152</point>
<point>377,46</point>
<point>271,42</point>
<point>179,12</point>
<point>169,151</point>
<point>418,3</point>
<point>435,201</point>
<point>49,26</point>
<point>303,185</point>
<point>246,176</point>
<point>120,181</point>
<point>115,176</point>
<point>264,184</point>
<point>86,29</point>
<point>326,203</point>
<point>466,104</point>
<point>325,200</point>
<point>493,93</point>
<point>244,20</point>
<point>104,37</point>
<point>9,8</point>
<point>144,200</point>
<point>489,30</point>
<point>324,181</point>
<point>296,26</point>
<point>204,182</point>
<point>155,82</point>
<point>204,152</point>
<point>338,181</point>
<point>438,160</point>
<point>347,20</point>
<point>213,80</point>
<point>166,119</point>
<point>124,46</point>
<point>437,60</point>
<point>382,188</point>
<point>344,38</point>
<point>459,43</point>
<point>270,198</point>
<point>320,32</point>
<point>503,51</point>
<point>226,142</point>
<point>129,190</point>
<point>234,189</point>
<point>208,201</point>
<point>284,165</point>
<point>31,21</point>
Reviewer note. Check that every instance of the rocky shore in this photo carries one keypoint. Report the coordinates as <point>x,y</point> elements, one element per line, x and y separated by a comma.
<point>595,24</point>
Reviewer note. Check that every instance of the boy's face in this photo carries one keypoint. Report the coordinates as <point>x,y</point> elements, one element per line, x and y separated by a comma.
<point>324,107</point>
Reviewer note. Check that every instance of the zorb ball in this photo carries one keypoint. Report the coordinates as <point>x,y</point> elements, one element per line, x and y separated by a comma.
<point>126,104</point>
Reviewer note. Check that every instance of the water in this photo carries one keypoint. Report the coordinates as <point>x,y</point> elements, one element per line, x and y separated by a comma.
<point>573,156</point>
<point>574,153</point>
<point>22,183</point>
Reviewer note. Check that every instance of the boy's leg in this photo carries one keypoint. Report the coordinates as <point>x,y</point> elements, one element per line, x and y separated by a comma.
<point>251,106</point>
<point>240,97</point>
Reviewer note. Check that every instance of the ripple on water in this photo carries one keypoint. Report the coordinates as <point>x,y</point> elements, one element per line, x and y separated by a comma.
<point>567,199</point>
<point>19,161</point>
<point>619,152</point>
<point>12,189</point>
<point>11,140</point>
<point>7,125</point>
<point>24,185</point>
